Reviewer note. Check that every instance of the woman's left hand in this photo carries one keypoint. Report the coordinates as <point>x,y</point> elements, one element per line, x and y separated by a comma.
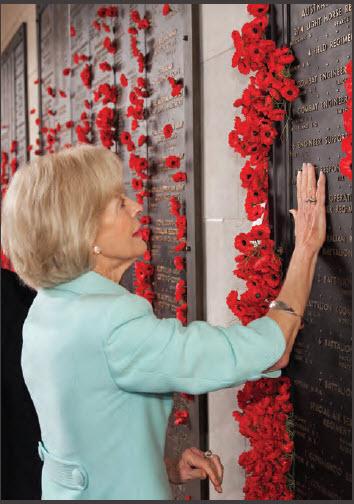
<point>194,465</point>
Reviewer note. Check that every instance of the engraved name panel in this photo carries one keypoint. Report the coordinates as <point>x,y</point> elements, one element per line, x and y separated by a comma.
<point>320,367</point>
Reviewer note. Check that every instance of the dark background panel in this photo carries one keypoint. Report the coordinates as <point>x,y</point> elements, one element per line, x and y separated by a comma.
<point>20,432</point>
<point>320,368</point>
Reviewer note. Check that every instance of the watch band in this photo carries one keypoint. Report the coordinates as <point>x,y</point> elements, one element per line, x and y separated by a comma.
<point>281,305</point>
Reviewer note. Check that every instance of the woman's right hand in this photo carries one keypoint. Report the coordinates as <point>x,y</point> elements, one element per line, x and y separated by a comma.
<point>310,218</point>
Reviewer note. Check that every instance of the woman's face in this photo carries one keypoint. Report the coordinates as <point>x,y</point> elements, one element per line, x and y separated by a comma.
<point>117,225</point>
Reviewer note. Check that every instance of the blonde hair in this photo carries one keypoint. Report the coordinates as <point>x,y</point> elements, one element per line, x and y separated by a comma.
<point>51,210</point>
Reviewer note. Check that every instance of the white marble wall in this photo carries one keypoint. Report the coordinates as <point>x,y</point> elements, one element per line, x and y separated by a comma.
<point>223,215</point>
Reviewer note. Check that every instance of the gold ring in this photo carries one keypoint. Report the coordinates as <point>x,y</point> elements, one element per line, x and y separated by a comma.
<point>311,200</point>
<point>208,454</point>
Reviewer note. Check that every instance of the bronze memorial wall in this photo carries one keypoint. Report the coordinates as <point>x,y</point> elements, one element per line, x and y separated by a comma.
<point>82,73</point>
<point>320,36</point>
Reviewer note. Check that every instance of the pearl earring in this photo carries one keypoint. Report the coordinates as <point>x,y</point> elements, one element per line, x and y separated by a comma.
<point>96,250</point>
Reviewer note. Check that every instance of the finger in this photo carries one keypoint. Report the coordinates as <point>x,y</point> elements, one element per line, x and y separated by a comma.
<point>304,182</point>
<point>321,189</point>
<point>197,474</point>
<point>197,451</point>
<point>298,188</point>
<point>311,181</point>
<point>219,467</point>
<point>205,464</point>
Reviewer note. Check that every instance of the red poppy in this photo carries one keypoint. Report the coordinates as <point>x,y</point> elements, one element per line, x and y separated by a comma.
<point>179,177</point>
<point>86,75</point>
<point>181,313</point>
<point>14,145</point>
<point>258,9</point>
<point>166,9</point>
<point>96,25</point>
<point>145,234</point>
<point>141,140</point>
<point>87,104</point>
<point>69,124</point>
<point>181,416</point>
<point>62,93</point>
<point>144,24</point>
<point>180,246</point>
<point>102,12</point>
<point>137,184</point>
<point>175,205</point>
<point>123,80</point>
<point>167,130</point>
<point>105,67</point>
<point>289,90</point>
<point>145,219</point>
<point>147,255</point>
<point>178,261</point>
<point>72,31</point>
<point>50,91</point>
<point>33,111</point>
<point>106,27</point>
<point>110,45</point>
<point>173,162</point>
<point>125,137</point>
<point>112,11</point>
<point>189,397</point>
<point>135,16</point>
<point>180,290</point>
<point>66,71</point>
<point>176,87</point>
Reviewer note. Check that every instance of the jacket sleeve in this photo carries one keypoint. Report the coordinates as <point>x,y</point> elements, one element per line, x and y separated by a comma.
<point>148,354</point>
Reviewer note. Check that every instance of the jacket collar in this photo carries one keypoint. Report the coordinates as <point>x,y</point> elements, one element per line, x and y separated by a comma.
<point>92,283</point>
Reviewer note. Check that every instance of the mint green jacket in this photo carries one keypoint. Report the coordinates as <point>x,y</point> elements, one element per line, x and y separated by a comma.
<point>101,368</point>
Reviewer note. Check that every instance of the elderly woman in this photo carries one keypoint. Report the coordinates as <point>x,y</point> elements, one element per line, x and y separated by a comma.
<point>100,367</point>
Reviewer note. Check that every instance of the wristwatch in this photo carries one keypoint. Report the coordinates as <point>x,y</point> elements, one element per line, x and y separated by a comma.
<point>281,305</point>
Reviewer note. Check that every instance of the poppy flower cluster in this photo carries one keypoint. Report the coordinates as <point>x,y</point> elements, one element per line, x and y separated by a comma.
<point>107,92</point>
<point>77,58</point>
<point>174,162</point>
<point>175,209</point>
<point>176,86</point>
<point>265,408</point>
<point>139,165</point>
<point>143,274</point>
<point>83,131</point>
<point>111,11</point>
<point>110,45</point>
<point>262,103</point>
<point>345,164</point>
<point>140,24</point>
<point>86,75</point>
<point>260,268</point>
<point>106,119</point>
<point>4,165</point>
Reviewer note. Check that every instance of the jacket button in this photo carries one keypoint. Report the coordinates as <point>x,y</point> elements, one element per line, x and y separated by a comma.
<point>78,477</point>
